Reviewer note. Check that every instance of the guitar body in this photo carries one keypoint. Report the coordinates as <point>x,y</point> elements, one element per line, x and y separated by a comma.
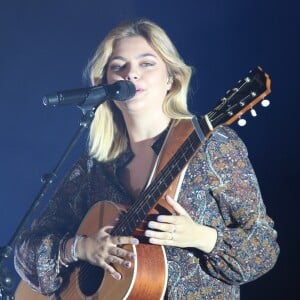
<point>146,279</point>
<point>24,291</point>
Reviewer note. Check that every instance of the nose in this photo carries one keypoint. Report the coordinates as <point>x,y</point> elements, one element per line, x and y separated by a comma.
<point>131,77</point>
<point>132,74</point>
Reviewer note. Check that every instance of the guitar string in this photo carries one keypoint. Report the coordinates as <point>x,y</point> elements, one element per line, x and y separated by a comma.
<point>249,81</point>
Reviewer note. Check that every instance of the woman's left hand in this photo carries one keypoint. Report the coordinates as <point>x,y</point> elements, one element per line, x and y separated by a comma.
<point>180,230</point>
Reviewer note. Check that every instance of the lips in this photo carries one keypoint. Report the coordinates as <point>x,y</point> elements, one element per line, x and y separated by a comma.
<point>139,90</point>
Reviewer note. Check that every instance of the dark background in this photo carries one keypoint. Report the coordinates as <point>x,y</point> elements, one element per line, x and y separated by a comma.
<point>45,45</point>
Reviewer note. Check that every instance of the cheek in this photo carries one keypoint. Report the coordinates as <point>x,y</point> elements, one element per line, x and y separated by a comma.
<point>156,79</point>
<point>112,78</point>
<point>162,86</point>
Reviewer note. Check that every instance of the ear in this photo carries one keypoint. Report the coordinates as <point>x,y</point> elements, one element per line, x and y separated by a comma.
<point>169,83</point>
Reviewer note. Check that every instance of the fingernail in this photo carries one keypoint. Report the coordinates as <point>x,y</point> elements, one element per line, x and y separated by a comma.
<point>127,264</point>
<point>160,218</point>
<point>151,224</point>
<point>132,256</point>
<point>136,241</point>
<point>116,276</point>
<point>147,233</point>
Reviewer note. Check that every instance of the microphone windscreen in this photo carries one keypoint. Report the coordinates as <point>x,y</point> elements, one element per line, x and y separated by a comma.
<point>124,90</point>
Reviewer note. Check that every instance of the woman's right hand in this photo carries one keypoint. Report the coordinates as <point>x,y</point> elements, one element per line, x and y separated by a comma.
<point>103,250</point>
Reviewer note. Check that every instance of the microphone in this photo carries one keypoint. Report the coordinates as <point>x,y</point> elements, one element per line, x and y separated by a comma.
<point>92,96</point>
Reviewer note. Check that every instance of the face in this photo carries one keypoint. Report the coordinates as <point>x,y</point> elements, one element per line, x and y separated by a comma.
<point>133,59</point>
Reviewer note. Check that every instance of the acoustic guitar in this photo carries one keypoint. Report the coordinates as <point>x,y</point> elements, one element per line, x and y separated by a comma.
<point>147,278</point>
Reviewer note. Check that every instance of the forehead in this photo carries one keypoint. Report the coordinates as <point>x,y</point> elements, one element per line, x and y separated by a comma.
<point>132,46</point>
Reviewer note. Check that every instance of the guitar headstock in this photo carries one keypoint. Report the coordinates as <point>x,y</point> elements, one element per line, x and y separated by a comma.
<point>237,101</point>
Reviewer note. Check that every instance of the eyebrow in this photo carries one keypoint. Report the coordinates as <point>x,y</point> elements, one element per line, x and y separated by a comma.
<point>137,57</point>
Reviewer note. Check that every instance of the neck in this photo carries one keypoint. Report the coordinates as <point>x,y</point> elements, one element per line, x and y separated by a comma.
<point>145,127</point>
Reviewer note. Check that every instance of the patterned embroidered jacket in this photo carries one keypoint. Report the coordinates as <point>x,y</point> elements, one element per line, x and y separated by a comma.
<point>219,189</point>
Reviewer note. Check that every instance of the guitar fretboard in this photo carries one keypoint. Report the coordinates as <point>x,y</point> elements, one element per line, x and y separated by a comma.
<point>139,210</point>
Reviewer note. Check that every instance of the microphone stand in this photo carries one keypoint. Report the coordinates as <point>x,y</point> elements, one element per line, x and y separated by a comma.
<point>6,281</point>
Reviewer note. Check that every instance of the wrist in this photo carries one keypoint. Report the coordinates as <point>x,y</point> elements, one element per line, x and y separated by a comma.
<point>207,238</point>
<point>64,251</point>
<point>78,247</point>
<point>69,250</point>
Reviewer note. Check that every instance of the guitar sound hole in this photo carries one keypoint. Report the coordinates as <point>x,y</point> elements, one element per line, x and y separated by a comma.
<point>90,278</point>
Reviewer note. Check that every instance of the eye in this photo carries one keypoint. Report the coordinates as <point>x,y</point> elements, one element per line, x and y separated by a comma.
<point>116,67</point>
<point>147,64</point>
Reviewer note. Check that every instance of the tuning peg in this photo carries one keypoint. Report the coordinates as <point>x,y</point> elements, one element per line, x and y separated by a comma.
<point>265,103</point>
<point>253,112</point>
<point>242,122</point>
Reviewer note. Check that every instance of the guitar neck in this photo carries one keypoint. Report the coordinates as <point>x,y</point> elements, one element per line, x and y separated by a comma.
<point>148,198</point>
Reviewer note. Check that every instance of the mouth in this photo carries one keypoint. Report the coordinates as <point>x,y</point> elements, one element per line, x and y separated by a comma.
<point>139,91</point>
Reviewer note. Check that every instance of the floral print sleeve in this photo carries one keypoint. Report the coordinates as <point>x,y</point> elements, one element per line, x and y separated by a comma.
<point>220,190</point>
<point>246,247</point>
<point>36,253</point>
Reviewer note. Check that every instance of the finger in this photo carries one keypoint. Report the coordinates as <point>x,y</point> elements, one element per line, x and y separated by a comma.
<point>118,260</point>
<point>107,229</point>
<point>117,251</point>
<point>168,240</point>
<point>176,206</point>
<point>113,272</point>
<point>167,226</point>
<point>162,236</point>
<point>124,240</point>
<point>102,232</point>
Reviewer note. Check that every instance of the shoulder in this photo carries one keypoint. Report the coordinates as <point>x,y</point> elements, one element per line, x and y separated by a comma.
<point>80,168</point>
<point>225,140</point>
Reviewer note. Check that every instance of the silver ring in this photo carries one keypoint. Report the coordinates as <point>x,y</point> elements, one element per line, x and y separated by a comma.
<point>174,228</point>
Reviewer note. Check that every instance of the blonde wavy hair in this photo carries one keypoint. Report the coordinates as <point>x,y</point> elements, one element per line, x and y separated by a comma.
<point>108,136</point>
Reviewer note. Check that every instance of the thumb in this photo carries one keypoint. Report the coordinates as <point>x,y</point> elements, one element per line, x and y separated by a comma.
<point>176,206</point>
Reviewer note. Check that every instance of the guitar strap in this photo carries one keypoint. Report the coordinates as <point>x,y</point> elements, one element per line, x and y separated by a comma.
<point>177,134</point>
